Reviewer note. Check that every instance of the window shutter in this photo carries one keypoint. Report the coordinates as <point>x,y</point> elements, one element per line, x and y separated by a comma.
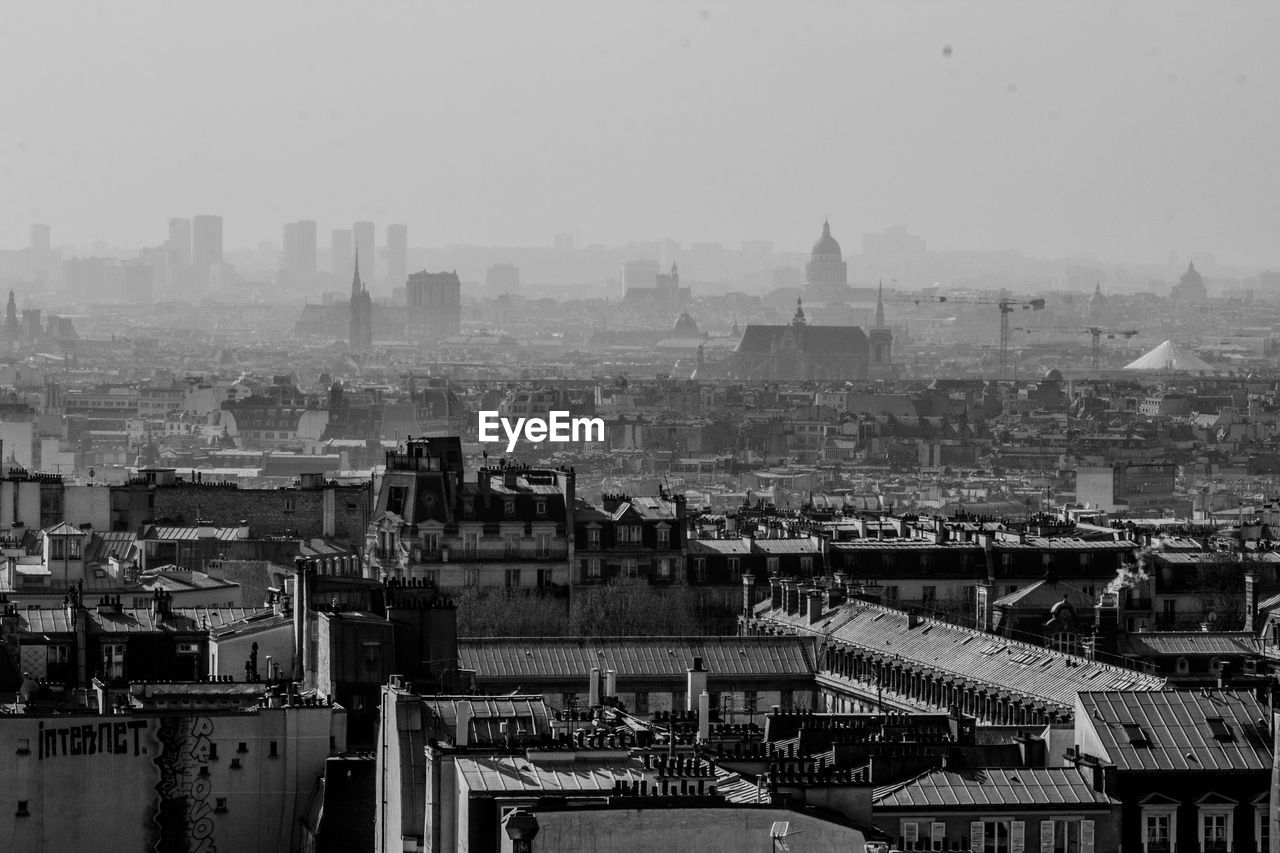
<point>1017,837</point>
<point>1145,819</point>
<point>1046,836</point>
<point>1086,836</point>
<point>910,831</point>
<point>938,834</point>
<point>976,842</point>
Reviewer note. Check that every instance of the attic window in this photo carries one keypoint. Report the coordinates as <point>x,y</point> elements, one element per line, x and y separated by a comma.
<point>1221,730</point>
<point>992,648</point>
<point>1026,658</point>
<point>1136,734</point>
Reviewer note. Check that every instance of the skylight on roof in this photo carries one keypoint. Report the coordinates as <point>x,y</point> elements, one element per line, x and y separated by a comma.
<point>1220,728</point>
<point>1136,734</point>
<point>992,648</point>
<point>1026,658</point>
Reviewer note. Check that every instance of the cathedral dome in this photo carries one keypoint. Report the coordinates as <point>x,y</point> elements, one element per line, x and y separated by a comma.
<point>1192,276</point>
<point>827,244</point>
<point>686,327</point>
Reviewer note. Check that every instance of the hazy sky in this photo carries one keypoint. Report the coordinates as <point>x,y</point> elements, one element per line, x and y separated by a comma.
<point>1129,129</point>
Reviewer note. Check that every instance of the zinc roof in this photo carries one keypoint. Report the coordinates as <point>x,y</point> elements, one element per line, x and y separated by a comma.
<point>1179,729</point>
<point>969,655</point>
<point>1145,643</point>
<point>518,773</point>
<point>997,787</point>
<point>558,658</point>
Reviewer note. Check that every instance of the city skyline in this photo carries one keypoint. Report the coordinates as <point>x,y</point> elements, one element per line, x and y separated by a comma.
<point>1126,132</point>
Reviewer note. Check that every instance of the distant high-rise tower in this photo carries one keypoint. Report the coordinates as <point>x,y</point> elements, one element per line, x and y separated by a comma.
<point>366,247</point>
<point>179,244</point>
<point>397,254</point>
<point>40,239</point>
<point>11,328</point>
<point>360,333</point>
<point>299,248</point>
<point>206,247</point>
<point>341,243</point>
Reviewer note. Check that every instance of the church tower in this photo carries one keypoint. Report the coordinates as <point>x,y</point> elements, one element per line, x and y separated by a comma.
<point>360,331</point>
<point>881,337</point>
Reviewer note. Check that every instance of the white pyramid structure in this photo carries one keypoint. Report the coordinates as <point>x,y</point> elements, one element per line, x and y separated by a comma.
<point>1169,356</point>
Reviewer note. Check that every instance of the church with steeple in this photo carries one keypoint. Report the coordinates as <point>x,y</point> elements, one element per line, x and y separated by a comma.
<point>799,351</point>
<point>360,332</point>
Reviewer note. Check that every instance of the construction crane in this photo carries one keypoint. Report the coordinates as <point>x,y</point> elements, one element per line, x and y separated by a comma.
<point>1094,332</point>
<point>1005,305</point>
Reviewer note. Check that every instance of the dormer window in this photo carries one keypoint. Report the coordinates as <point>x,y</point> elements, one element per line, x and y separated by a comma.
<point>509,509</point>
<point>468,508</point>
<point>540,507</point>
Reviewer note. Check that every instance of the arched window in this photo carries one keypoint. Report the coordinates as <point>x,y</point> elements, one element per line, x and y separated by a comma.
<point>1183,666</point>
<point>1214,665</point>
<point>1064,641</point>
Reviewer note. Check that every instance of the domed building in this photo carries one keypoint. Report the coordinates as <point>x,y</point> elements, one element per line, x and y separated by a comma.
<point>1190,288</point>
<point>686,327</point>
<point>826,274</point>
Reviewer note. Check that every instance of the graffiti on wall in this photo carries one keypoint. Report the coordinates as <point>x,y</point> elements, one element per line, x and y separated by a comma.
<point>183,816</point>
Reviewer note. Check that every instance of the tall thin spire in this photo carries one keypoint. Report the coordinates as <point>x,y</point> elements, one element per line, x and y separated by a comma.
<point>798,319</point>
<point>880,306</point>
<point>356,284</point>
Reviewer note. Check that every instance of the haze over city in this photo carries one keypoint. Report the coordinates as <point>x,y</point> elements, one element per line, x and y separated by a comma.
<point>1128,131</point>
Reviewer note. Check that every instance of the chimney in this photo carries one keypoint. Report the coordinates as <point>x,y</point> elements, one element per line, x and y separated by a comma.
<point>462,730</point>
<point>790,597</point>
<point>1106,623</point>
<point>748,595</point>
<point>1250,600</point>
<point>815,606</point>
<point>775,593</point>
<point>593,688</point>
<point>300,607</point>
<point>696,684</point>
<point>704,716</point>
<point>985,598</point>
<point>611,682</point>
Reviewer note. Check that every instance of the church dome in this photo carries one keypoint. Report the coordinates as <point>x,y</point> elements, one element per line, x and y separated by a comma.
<point>826,244</point>
<point>686,326</point>
<point>1192,275</point>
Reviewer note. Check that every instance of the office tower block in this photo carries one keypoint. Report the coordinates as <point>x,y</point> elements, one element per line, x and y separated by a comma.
<point>179,243</point>
<point>299,257</point>
<point>206,242</point>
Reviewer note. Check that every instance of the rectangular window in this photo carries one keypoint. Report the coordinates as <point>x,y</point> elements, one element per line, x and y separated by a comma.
<point>700,569</point>
<point>509,509</point>
<point>772,565</point>
<point>1156,832</point>
<point>593,537</point>
<point>593,567</point>
<point>540,507</point>
<point>641,704</point>
<point>806,565</point>
<point>471,577</point>
<point>471,545</point>
<point>544,578</point>
<point>1213,832</point>
<point>56,549</point>
<point>664,537</point>
<point>628,568</point>
<point>512,578</point>
<point>544,545</point>
<point>928,595</point>
<point>73,549</point>
<point>664,567</point>
<point>735,568</point>
<point>113,660</point>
